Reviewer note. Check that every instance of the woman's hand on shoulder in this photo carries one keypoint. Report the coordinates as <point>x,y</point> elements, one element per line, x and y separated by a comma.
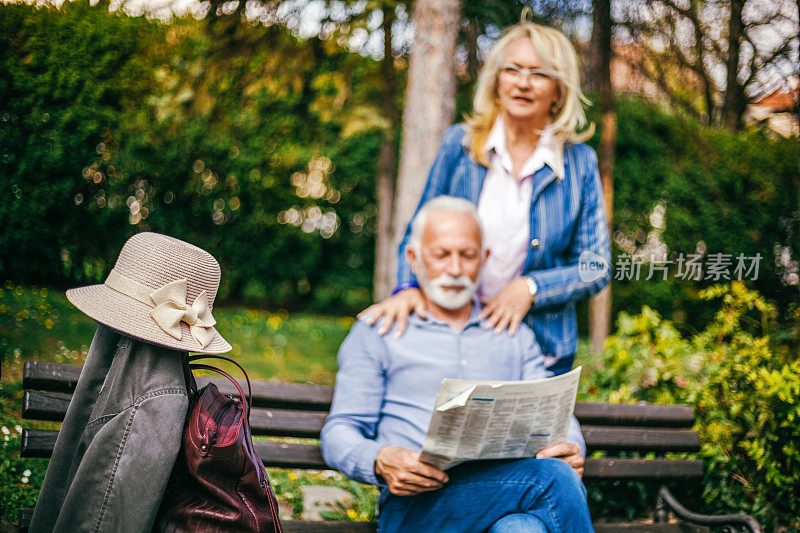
<point>395,310</point>
<point>508,307</point>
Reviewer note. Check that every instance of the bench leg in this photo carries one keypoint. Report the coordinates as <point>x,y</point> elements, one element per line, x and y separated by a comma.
<point>731,523</point>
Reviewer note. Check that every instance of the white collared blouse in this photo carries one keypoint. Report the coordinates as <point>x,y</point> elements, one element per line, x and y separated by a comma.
<point>504,206</point>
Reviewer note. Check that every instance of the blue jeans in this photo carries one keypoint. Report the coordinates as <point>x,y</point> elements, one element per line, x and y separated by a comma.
<point>530,495</point>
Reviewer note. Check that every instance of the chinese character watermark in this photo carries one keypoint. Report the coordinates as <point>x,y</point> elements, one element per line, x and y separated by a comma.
<point>713,267</point>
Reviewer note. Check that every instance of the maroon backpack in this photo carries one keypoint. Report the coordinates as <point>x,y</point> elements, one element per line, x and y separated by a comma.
<point>218,483</point>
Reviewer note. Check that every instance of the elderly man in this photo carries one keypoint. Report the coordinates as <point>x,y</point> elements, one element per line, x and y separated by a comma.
<point>387,386</point>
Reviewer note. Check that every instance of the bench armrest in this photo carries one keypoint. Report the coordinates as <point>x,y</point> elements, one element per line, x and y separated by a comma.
<point>735,523</point>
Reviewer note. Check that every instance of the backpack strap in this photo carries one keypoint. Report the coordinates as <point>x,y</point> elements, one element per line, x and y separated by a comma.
<point>249,396</point>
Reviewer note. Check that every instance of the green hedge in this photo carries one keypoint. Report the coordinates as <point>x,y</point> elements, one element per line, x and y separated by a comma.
<point>730,194</point>
<point>116,124</point>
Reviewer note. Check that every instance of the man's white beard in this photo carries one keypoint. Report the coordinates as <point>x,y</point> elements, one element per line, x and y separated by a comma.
<point>448,298</point>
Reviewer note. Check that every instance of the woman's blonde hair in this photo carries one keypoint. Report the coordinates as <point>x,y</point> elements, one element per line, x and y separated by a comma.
<point>557,54</point>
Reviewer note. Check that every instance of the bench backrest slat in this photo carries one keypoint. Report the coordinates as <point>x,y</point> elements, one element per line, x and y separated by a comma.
<point>49,406</point>
<point>298,410</point>
<point>39,443</point>
<point>56,377</point>
<point>52,406</point>
<point>617,414</point>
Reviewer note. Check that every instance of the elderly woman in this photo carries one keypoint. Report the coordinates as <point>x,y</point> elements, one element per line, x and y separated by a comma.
<point>520,158</point>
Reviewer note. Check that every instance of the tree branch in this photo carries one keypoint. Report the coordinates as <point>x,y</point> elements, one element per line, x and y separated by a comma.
<point>659,79</point>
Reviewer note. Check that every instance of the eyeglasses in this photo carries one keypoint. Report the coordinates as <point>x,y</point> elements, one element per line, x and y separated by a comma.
<point>515,74</point>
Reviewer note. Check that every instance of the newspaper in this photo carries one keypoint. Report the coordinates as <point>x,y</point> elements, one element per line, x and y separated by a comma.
<point>498,419</point>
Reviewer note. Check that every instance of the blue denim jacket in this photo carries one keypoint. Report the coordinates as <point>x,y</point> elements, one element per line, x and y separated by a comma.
<point>567,219</point>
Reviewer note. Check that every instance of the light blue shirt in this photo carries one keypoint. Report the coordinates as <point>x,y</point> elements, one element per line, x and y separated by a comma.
<point>386,387</point>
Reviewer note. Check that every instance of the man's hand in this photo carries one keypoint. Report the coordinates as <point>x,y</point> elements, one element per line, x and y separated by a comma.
<point>395,308</point>
<point>566,451</point>
<point>508,307</point>
<point>405,474</point>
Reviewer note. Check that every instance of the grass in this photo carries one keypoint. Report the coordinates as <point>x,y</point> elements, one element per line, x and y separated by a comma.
<point>277,346</point>
<point>40,324</point>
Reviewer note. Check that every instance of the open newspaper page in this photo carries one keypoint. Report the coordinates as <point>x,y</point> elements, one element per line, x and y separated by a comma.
<point>498,419</point>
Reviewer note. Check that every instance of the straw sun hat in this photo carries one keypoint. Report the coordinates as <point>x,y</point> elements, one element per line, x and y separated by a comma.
<point>161,290</point>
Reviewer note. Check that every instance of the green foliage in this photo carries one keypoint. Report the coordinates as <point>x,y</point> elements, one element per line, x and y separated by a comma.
<point>67,76</point>
<point>288,486</point>
<point>20,479</point>
<point>748,413</point>
<point>646,360</point>
<point>234,152</point>
<point>746,396</point>
<point>721,193</point>
<point>40,324</point>
<point>36,322</point>
<point>281,346</point>
<point>261,151</point>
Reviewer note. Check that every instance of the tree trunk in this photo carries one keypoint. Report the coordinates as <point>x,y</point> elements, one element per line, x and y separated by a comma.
<point>429,103</point>
<point>387,170</point>
<point>735,101</point>
<point>384,245</point>
<point>594,59</point>
<point>600,304</point>
<point>473,63</point>
<point>708,93</point>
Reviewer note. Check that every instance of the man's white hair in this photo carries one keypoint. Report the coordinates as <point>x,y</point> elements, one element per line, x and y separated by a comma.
<point>440,204</point>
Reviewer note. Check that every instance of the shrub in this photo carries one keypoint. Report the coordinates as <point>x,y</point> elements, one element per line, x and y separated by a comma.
<point>646,360</point>
<point>748,413</point>
<point>717,192</point>
<point>746,395</point>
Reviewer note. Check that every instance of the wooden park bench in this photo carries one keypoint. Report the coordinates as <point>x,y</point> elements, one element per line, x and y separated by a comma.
<point>296,410</point>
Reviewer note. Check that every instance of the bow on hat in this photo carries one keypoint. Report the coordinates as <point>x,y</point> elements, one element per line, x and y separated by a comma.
<point>171,309</point>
